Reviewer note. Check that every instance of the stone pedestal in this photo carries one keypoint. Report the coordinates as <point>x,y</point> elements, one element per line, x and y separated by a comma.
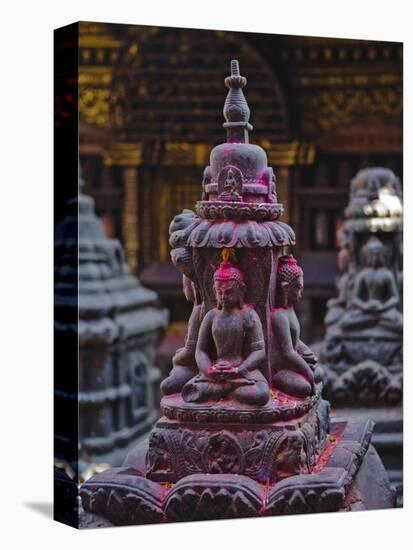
<point>266,444</point>
<point>346,476</point>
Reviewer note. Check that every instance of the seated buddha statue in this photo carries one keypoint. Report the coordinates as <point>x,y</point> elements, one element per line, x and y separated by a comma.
<point>183,362</point>
<point>293,363</point>
<point>230,347</point>
<point>375,295</point>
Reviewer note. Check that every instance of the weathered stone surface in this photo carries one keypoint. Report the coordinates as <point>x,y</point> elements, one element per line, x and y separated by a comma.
<point>216,496</point>
<point>265,452</point>
<point>123,497</point>
<point>92,521</point>
<point>282,408</point>
<point>304,494</point>
<point>347,476</point>
<point>137,457</point>
<point>387,439</point>
<point>370,489</point>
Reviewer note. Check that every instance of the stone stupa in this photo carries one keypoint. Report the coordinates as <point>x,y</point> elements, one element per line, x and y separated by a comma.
<point>362,352</point>
<point>245,431</point>
<point>116,322</point>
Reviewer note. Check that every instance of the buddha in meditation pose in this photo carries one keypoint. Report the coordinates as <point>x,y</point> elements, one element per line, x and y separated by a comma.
<point>184,365</point>
<point>294,364</point>
<point>230,347</point>
<point>375,294</point>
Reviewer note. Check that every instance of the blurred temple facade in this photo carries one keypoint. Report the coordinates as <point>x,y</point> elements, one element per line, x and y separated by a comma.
<point>149,99</point>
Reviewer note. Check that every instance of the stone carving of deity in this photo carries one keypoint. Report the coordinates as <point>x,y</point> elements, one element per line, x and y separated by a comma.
<point>294,362</point>
<point>375,294</point>
<point>230,184</point>
<point>184,365</point>
<point>230,346</point>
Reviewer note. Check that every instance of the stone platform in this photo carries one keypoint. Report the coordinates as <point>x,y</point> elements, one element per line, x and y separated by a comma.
<point>343,478</point>
<point>283,438</point>
<point>346,348</point>
<point>387,439</point>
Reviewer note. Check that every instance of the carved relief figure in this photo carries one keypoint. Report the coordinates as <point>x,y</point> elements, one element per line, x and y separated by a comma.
<point>230,184</point>
<point>230,346</point>
<point>375,294</point>
<point>295,363</point>
<point>184,364</point>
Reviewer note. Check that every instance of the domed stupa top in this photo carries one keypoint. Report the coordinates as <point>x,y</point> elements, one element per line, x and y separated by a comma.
<point>238,170</point>
<point>238,183</point>
<point>239,206</point>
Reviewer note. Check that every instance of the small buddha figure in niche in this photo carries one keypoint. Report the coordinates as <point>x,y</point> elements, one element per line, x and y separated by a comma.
<point>294,362</point>
<point>375,294</point>
<point>184,365</point>
<point>230,347</point>
<point>337,306</point>
<point>230,184</point>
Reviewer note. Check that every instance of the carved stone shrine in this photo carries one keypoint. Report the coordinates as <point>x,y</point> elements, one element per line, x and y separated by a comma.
<point>245,431</point>
<point>119,323</point>
<point>362,351</point>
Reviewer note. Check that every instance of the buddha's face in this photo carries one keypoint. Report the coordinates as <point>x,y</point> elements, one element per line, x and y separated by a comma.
<point>295,290</point>
<point>229,294</point>
<point>375,257</point>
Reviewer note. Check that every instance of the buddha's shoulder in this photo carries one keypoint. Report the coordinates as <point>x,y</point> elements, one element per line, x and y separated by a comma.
<point>211,314</point>
<point>249,314</point>
<point>280,313</point>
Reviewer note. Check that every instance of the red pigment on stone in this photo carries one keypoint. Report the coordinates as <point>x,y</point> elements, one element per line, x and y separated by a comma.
<point>328,451</point>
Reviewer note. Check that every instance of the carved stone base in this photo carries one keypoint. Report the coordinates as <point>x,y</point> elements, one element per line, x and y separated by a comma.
<point>341,351</point>
<point>231,440</point>
<point>366,383</point>
<point>363,367</point>
<point>387,439</point>
<point>123,496</point>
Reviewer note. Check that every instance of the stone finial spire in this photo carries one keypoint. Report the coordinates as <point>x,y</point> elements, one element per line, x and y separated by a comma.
<point>236,110</point>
